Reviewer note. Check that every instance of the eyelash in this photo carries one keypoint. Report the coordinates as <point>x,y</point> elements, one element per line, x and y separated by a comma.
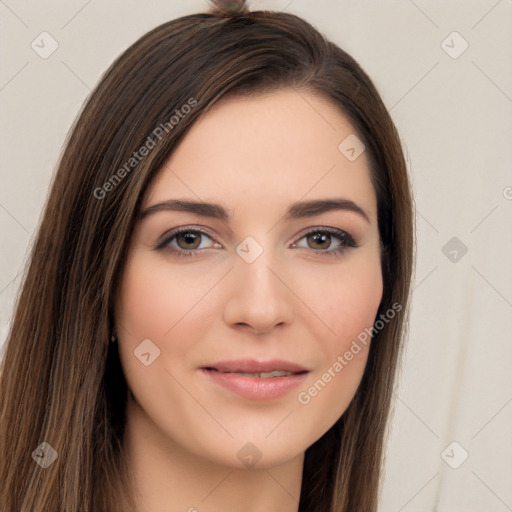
<point>346,241</point>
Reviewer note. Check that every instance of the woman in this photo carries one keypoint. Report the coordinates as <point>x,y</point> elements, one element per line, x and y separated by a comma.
<point>214,309</point>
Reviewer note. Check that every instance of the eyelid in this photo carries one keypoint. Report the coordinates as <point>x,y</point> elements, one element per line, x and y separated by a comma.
<point>341,234</point>
<point>169,235</point>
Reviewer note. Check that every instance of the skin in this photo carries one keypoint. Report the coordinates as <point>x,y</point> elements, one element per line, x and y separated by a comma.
<point>255,156</point>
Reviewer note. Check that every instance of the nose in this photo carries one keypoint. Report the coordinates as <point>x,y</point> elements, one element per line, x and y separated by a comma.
<point>260,295</point>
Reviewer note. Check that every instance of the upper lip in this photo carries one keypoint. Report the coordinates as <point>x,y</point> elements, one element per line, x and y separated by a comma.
<point>254,366</point>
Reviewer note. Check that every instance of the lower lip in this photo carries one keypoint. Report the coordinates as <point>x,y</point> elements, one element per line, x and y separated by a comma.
<point>255,388</point>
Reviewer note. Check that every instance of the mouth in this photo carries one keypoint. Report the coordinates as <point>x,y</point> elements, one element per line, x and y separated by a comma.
<point>253,369</point>
<point>256,380</point>
<point>260,375</point>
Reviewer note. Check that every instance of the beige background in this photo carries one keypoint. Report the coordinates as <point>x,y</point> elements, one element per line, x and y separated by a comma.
<point>454,115</point>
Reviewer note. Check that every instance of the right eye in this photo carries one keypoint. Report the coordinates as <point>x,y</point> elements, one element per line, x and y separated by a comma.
<point>186,241</point>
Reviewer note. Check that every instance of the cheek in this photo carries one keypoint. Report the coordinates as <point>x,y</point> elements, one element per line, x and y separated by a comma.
<point>348,303</point>
<point>161,305</point>
<point>348,298</point>
<point>146,307</point>
<point>153,300</point>
<point>169,307</point>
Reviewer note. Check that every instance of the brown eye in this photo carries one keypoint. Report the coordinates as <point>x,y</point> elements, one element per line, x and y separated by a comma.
<point>320,241</point>
<point>188,240</point>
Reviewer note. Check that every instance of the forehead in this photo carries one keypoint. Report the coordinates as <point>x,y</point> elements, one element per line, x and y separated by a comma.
<point>274,148</point>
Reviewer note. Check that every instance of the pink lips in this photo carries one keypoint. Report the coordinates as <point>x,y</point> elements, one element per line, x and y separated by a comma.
<point>227,375</point>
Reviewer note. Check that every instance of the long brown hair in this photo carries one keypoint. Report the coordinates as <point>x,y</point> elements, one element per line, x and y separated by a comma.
<point>61,381</point>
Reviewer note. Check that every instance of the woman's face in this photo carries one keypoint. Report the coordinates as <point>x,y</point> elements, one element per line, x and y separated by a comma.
<point>267,280</point>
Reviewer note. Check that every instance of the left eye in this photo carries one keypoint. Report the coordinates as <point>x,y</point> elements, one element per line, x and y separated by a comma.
<point>323,236</point>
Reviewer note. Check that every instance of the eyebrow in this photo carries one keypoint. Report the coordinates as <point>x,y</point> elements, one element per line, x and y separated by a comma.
<point>296,210</point>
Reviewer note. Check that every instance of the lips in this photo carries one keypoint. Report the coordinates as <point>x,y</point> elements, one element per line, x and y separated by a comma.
<point>256,380</point>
